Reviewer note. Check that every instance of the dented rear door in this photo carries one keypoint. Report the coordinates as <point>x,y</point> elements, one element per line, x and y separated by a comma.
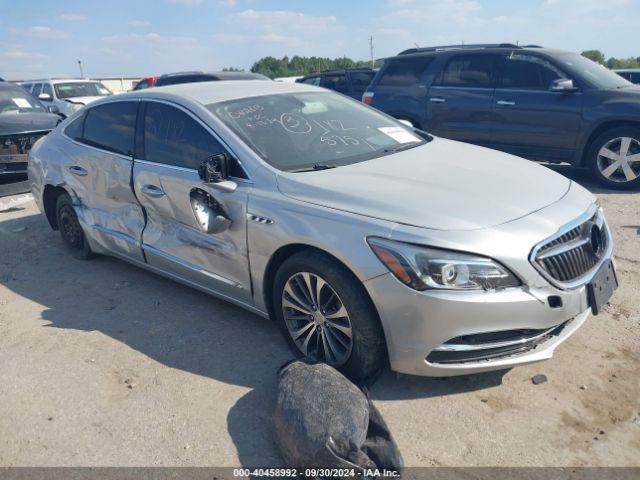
<point>97,171</point>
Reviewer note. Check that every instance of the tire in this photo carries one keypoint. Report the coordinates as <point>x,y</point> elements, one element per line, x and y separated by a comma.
<point>602,166</point>
<point>366,354</point>
<point>70,229</point>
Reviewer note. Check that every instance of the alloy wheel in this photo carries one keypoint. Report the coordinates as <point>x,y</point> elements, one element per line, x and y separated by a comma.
<point>619,159</point>
<point>316,319</point>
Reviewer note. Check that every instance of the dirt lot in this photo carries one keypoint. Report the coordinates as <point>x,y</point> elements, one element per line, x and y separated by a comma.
<point>102,363</point>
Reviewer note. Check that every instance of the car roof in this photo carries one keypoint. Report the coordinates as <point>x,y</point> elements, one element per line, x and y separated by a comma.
<point>10,86</point>
<point>62,80</point>
<point>212,74</point>
<point>477,48</point>
<point>221,90</point>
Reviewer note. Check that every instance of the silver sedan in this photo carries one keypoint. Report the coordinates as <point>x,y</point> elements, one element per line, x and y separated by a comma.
<point>366,240</point>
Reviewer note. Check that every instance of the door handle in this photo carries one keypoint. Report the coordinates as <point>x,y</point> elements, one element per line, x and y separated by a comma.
<point>152,191</point>
<point>79,171</point>
<point>437,100</point>
<point>508,103</point>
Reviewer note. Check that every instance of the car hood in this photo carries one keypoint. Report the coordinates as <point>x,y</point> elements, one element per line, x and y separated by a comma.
<point>83,100</point>
<point>443,185</point>
<point>11,123</point>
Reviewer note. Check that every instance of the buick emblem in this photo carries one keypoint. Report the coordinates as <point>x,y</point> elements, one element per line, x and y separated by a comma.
<point>595,239</point>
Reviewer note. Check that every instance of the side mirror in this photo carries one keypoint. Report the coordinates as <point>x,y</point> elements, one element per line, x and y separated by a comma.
<point>214,171</point>
<point>562,85</point>
<point>45,97</point>
<point>210,214</point>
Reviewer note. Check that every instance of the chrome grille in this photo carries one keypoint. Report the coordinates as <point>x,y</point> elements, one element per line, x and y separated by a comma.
<point>571,255</point>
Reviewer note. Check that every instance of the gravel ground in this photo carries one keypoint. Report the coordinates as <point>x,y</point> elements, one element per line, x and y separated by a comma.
<point>104,364</point>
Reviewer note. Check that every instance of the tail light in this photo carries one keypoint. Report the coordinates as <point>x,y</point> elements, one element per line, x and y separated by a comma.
<point>367,98</point>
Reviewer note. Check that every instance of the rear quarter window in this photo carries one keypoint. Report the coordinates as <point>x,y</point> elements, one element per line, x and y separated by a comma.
<point>404,72</point>
<point>111,127</point>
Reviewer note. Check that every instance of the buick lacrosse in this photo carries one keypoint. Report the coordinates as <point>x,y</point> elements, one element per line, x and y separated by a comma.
<point>366,240</point>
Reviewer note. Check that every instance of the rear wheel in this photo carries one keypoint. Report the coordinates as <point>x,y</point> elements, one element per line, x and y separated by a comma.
<point>614,158</point>
<point>70,229</point>
<point>327,316</point>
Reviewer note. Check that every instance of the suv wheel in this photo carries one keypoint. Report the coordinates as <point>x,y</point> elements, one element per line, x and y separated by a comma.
<point>71,230</point>
<point>614,158</point>
<point>327,316</point>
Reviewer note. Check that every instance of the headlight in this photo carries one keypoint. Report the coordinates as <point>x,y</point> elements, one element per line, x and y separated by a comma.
<point>425,268</point>
<point>74,107</point>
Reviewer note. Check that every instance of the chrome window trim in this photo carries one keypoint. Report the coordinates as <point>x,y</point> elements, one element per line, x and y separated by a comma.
<point>587,276</point>
<point>206,127</point>
<point>185,169</point>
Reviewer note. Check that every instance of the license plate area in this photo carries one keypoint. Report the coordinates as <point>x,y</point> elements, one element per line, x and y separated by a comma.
<point>601,287</point>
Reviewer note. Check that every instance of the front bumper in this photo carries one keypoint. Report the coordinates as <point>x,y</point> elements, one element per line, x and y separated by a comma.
<point>13,164</point>
<point>419,325</point>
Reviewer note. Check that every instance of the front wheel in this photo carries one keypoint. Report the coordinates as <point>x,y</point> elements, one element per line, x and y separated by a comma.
<point>327,316</point>
<point>614,158</point>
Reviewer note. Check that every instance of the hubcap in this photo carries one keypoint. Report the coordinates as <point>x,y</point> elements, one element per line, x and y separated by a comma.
<point>316,319</point>
<point>619,159</point>
<point>70,228</point>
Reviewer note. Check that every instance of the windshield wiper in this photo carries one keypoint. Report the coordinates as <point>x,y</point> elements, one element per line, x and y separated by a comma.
<point>316,166</point>
<point>401,148</point>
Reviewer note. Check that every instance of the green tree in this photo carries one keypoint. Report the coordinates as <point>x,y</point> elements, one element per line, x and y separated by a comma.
<point>297,66</point>
<point>595,55</point>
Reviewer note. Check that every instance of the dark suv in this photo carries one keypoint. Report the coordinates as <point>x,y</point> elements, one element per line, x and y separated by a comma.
<point>351,81</point>
<point>533,102</point>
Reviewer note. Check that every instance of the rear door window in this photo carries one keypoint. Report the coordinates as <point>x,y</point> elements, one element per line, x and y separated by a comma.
<point>172,137</point>
<point>111,127</point>
<point>528,72</point>
<point>360,80</point>
<point>337,82</point>
<point>404,71</point>
<point>470,71</point>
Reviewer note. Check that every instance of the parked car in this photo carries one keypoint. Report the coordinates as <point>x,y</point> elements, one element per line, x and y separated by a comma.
<point>631,74</point>
<point>538,103</point>
<point>66,95</point>
<point>363,238</point>
<point>193,77</point>
<point>351,81</point>
<point>147,82</point>
<point>23,120</point>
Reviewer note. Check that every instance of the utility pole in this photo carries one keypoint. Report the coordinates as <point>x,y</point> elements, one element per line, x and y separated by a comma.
<point>371,50</point>
<point>80,67</point>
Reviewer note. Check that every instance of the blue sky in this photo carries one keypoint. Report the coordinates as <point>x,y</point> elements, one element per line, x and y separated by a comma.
<point>145,37</point>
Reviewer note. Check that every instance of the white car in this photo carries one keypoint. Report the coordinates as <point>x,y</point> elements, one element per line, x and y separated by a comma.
<point>65,96</point>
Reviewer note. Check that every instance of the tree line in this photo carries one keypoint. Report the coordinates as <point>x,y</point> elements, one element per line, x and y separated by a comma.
<point>299,66</point>
<point>612,62</point>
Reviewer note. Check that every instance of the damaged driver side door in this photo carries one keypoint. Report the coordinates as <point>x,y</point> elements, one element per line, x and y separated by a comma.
<point>171,144</point>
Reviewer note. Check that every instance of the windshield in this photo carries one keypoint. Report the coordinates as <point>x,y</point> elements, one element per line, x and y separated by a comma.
<point>305,131</point>
<point>594,73</point>
<point>17,100</point>
<point>81,89</point>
